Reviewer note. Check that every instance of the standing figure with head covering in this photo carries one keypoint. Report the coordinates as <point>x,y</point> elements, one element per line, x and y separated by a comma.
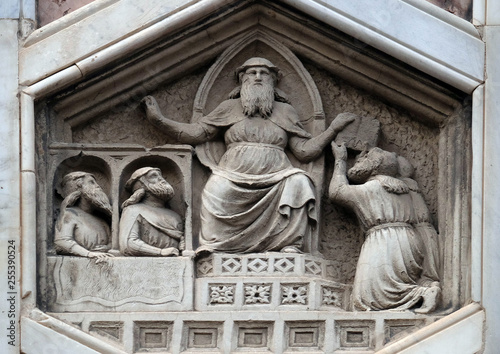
<point>255,200</point>
<point>79,230</point>
<point>147,227</point>
<point>391,260</point>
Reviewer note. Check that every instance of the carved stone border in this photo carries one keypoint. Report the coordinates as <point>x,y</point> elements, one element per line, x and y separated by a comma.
<point>28,187</point>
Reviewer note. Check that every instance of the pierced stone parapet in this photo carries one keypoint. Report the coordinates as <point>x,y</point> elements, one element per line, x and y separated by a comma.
<point>264,264</point>
<point>267,281</point>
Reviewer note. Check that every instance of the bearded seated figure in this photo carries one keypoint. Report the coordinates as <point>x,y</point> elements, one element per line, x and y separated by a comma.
<point>255,200</point>
<point>147,228</point>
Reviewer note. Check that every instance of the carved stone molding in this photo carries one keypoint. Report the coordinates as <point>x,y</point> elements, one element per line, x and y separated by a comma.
<point>208,304</point>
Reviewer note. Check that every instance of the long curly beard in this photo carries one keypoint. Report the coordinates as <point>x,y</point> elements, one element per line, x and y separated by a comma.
<point>162,190</point>
<point>97,198</point>
<point>257,99</point>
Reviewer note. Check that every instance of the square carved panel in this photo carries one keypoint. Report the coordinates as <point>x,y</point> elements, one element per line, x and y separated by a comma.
<point>355,334</point>
<point>308,335</point>
<point>200,335</point>
<point>254,335</point>
<point>221,294</point>
<point>202,338</point>
<point>294,294</point>
<point>108,329</point>
<point>257,293</point>
<point>152,336</point>
<point>396,329</point>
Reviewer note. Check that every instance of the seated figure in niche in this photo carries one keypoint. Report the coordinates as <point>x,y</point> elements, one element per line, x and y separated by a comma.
<point>390,263</point>
<point>255,200</point>
<point>147,227</point>
<point>423,226</point>
<point>79,231</point>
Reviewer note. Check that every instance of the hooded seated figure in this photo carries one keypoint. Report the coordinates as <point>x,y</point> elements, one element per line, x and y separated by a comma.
<point>390,265</point>
<point>79,231</point>
<point>147,228</point>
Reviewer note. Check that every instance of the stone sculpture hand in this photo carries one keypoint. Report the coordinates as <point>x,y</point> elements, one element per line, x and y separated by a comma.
<point>342,120</point>
<point>339,152</point>
<point>100,256</point>
<point>153,113</point>
<point>169,251</point>
<point>186,133</point>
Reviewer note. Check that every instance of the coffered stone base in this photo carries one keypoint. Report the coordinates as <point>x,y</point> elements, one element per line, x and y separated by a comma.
<point>250,331</point>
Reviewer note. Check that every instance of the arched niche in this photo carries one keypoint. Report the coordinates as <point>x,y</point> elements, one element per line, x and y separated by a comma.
<point>94,165</point>
<point>296,83</point>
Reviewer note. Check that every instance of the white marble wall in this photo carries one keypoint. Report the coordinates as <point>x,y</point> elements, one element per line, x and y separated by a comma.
<point>9,176</point>
<point>11,12</point>
<point>491,186</point>
<point>415,32</point>
<point>409,44</point>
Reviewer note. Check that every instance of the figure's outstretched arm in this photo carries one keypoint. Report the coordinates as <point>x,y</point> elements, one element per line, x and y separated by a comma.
<point>307,150</point>
<point>339,182</point>
<point>187,133</point>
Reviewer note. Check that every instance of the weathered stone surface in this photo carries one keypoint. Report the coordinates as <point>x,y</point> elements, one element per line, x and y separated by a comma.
<point>78,231</point>
<point>460,8</point>
<point>393,266</point>
<point>51,10</point>
<point>147,227</point>
<point>116,126</point>
<point>362,134</point>
<point>224,331</point>
<point>268,281</point>
<point>417,142</point>
<point>242,287</point>
<point>9,174</point>
<point>120,284</point>
<point>341,238</point>
<point>261,131</point>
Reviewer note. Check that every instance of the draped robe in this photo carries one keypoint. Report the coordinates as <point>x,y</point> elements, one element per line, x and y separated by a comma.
<point>427,233</point>
<point>79,228</point>
<point>146,229</point>
<point>255,200</point>
<point>391,259</point>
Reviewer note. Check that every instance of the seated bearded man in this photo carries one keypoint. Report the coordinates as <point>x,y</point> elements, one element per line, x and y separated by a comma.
<point>255,200</point>
<point>147,228</point>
